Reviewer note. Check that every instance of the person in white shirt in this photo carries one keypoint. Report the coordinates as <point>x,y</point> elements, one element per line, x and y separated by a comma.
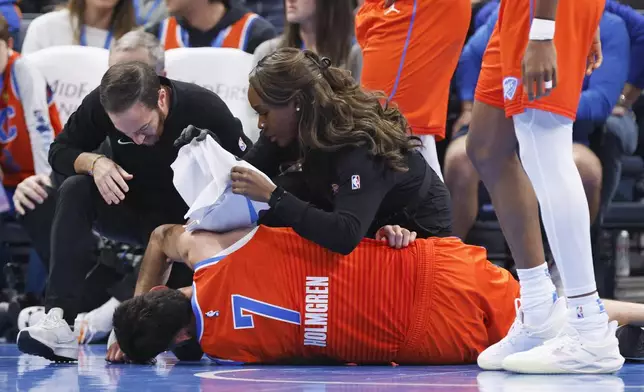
<point>82,22</point>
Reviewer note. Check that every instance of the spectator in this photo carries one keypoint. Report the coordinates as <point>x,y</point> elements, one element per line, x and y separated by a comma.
<point>28,114</point>
<point>82,22</point>
<point>271,10</point>
<point>35,197</point>
<point>212,23</point>
<point>324,27</point>
<point>125,197</point>
<point>601,91</point>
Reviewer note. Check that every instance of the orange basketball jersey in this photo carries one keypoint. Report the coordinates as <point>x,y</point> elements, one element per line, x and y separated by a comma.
<point>500,83</point>
<point>28,123</point>
<point>172,35</point>
<point>280,298</point>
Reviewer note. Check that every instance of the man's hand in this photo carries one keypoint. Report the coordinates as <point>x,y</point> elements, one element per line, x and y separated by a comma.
<point>396,236</point>
<point>251,184</point>
<point>539,69</point>
<point>110,180</point>
<point>191,132</point>
<point>31,190</point>
<point>595,56</point>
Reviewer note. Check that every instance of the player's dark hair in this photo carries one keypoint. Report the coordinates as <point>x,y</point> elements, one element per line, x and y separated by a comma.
<point>335,111</point>
<point>146,325</point>
<point>333,30</point>
<point>127,83</point>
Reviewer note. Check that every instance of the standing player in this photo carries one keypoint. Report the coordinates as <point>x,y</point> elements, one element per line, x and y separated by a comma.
<point>410,49</point>
<point>516,101</point>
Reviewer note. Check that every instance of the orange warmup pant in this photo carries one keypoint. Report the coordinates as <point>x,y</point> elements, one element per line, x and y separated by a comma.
<point>499,83</point>
<point>467,307</point>
<point>410,52</point>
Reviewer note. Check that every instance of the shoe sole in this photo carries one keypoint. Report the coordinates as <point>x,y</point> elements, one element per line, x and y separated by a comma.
<point>631,342</point>
<point>29,345</point>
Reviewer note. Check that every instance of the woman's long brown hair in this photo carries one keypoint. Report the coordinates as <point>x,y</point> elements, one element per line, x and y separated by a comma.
<point>335,111</point>
<point>123,17</point>
<point>333,30</point>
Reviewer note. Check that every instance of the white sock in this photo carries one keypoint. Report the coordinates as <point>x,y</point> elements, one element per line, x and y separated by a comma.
<point>588,316</point>
<point>538,293</point>
<point>428,151</point>
<point>545,145</point>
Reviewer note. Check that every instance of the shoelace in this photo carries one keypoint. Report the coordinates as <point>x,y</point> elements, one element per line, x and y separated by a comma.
<point>51,321</point>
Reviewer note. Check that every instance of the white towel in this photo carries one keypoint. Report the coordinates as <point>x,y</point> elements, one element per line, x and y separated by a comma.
<point>202,178</point>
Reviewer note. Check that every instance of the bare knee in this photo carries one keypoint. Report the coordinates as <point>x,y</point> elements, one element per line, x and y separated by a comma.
<point>491,139</point>
<point>460,174</point>
<point>589,167</point>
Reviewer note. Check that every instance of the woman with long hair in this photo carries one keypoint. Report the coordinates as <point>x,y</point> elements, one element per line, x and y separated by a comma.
<point>321,26</point>
<point>344,163</point>
<point>83,22</point>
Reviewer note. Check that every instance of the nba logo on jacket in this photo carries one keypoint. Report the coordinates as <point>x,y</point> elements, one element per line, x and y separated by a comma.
<point>355,182</point>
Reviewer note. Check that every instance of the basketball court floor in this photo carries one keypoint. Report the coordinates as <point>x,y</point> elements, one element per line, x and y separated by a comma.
<point>91,373</point>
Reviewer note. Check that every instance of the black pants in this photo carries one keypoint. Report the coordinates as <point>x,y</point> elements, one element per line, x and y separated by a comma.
<point>79,208</point>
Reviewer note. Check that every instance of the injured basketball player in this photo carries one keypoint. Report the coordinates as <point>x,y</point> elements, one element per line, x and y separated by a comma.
<point>267,296</point>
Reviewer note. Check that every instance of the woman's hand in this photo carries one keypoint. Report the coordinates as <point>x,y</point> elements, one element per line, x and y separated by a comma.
<point>251,184</point>
<point>396,236</point>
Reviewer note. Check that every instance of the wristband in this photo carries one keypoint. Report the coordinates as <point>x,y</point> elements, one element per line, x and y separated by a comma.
<point>276,196</point>
<point>91,168</point>
<point>542,30</point>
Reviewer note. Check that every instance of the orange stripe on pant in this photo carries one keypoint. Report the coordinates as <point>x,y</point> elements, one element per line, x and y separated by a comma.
<point>410,52</point>
<point>500,83</point>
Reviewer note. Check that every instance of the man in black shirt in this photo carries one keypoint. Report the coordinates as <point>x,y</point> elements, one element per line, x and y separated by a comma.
<point>124,197</point>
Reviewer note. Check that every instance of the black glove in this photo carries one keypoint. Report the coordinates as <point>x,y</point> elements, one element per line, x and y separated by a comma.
<point>191,132</point>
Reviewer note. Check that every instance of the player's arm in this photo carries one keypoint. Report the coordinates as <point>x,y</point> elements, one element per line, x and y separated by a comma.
<point>539,66</point>
<point>163,248</point>
<point>32,88</point>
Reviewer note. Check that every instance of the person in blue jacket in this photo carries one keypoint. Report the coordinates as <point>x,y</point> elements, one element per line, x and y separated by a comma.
<point>601,92</point>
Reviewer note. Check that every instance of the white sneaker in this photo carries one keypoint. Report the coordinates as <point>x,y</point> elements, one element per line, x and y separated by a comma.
<point>569,352</point>
<point>50,338</point>
<point>522,337</point>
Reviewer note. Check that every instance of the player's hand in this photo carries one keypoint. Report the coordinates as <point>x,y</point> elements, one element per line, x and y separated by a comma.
<point>30,191</point>
<point>110,180</point>
<point>190,133</point>
<point>396,236</point>
<point>539,69</point>
<point>114,353</point>
<point>251,184</point>
<point>595,56</point>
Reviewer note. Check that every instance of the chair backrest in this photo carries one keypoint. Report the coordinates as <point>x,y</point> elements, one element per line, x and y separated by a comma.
<point>72,72</point>
<point>222,70</point>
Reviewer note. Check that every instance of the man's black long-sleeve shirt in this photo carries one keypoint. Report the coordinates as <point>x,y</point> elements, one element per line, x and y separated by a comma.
<point>341,197</point>
<point>151,186</point>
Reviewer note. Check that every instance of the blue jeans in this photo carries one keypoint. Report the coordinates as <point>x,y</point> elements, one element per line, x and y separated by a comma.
<point>620,139</point>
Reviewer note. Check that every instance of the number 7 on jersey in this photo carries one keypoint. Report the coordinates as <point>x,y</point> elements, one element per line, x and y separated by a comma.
<point>242,306</point>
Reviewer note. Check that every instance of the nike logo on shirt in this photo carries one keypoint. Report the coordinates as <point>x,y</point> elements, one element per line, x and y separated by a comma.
<point>124,142</point>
